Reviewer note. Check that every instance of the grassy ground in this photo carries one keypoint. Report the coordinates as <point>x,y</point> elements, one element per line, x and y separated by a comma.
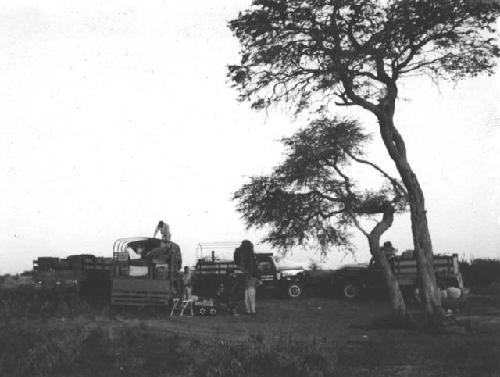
<point>309,337</point>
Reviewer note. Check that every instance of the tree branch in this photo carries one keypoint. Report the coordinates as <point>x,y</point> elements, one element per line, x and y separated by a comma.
<point>358,225</point>
<point>397,186</point>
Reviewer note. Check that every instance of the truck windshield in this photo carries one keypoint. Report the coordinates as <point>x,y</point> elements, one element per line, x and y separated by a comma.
<point>265,266</point>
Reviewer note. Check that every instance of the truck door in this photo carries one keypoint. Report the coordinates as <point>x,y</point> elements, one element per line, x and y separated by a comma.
<point>266,270</point>
<point>267,273</point>
<point>373,277</point>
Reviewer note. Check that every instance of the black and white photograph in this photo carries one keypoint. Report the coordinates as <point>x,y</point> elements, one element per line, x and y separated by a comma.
<point>250,188</point>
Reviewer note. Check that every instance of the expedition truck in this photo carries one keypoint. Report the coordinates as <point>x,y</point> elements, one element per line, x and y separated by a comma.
<point>70,273</point>
<point>149,279</point>
<point>352,280</point>
<point>212,274</point>
<point>132,277</point>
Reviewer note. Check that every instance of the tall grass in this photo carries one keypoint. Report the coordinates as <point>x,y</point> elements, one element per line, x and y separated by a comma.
<point>92,352</point>
<point>97,352</point>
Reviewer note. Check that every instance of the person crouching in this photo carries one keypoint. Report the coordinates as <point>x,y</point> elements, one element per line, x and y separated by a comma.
<point>452,299</point>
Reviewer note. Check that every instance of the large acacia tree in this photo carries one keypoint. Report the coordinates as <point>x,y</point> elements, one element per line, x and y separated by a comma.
<point>311,196</point>
<point>309,54</point>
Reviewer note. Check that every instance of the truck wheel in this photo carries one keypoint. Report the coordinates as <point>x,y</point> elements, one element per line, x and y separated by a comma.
<point>294,291</point>
<point>350,290</point>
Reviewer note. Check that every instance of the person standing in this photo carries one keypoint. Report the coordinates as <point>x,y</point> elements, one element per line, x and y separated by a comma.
<point>251,285</point>
<point>244,258</point>
<point>186,283</point>
<point>163,229</point>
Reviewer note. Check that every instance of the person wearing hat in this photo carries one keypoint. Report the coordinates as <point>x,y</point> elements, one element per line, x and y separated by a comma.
<point>164,230</point>
<point>389,252</point>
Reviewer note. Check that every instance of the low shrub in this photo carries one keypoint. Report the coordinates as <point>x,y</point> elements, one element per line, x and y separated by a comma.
<point>30,303</point>
<point>480,273</point>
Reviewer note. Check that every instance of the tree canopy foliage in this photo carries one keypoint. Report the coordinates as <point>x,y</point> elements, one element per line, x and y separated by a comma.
<point>310,196</point>
<point>354,51</point>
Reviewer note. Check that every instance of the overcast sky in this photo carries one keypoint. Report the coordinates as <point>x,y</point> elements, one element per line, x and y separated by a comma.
<point>116,114</point>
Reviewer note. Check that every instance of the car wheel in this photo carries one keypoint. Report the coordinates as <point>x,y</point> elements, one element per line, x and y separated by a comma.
<point>351,290</point>
<point>294,291</point>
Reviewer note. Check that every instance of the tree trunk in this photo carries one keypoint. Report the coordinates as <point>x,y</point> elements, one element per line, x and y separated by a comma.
<point>432,313</point>
<point>397,302</point>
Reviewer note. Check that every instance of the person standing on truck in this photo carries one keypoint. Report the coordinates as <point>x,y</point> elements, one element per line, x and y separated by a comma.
<point>186,283</point>
<point>163,229</point>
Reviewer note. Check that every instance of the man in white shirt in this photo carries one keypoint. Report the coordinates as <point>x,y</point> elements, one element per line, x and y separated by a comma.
<point>451,299</point>
<point>186,283</point>
<point>163,229</point>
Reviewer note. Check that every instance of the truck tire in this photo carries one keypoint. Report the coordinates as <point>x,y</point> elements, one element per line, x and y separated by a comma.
<point>350,290</point>
<point>294,291</point>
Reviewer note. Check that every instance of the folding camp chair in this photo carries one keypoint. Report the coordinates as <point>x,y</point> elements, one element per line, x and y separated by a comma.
<point>182,307</point>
